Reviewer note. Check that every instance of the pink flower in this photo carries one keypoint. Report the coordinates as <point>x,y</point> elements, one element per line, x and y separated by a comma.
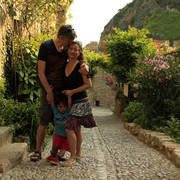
<point>136,85</point>
<point>129,25</point>
<point>138,61</point>
<point>160,80</point>
<point>163,67</point>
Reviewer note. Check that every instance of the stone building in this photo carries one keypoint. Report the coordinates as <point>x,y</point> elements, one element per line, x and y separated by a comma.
<point>92,46</point>
<point>101,94</point>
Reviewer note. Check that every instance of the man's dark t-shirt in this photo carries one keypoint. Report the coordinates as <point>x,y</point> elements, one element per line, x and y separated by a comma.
<point>55,63</point>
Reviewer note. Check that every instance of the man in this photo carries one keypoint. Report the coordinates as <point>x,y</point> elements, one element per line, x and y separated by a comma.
<point>51,62</point>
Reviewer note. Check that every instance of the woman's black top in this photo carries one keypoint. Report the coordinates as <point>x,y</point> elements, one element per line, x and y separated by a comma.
<point>74,80</point>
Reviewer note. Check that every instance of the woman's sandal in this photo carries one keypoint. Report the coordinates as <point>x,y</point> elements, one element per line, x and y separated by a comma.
<point>68,163</point>
<point>36,156</point>
<point>78,158</point>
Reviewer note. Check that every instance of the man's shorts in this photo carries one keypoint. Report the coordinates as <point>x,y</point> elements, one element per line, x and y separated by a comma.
<point>61,142</point>
<point>45,112</point>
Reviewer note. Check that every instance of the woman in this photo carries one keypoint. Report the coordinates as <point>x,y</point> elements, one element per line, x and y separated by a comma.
<point>75,85</point>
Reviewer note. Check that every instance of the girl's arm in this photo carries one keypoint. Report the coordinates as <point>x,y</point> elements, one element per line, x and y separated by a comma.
<point>69,102</point>
<point>87,85</point>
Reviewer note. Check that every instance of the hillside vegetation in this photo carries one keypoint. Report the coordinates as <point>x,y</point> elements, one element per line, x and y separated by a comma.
<point>164,25</point>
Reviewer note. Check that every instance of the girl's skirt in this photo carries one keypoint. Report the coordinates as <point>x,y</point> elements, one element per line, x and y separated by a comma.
<point>80,115</point>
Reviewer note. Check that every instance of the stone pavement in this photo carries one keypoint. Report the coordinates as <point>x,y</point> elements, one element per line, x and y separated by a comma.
<point>109,152</point>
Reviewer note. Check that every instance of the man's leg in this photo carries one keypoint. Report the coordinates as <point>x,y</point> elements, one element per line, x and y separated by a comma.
<point>41,132</point>
<point>39,141</point>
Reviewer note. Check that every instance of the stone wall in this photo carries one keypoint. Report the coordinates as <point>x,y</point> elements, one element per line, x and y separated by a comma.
<point>100,93</point>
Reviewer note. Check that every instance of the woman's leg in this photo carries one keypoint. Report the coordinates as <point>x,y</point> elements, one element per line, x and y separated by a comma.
<point>79,142</point>
<point>72,141</point>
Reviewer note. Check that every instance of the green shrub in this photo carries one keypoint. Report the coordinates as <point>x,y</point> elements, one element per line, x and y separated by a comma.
<point>172,128</point>
<point>22,118</point>
<point>95,59</point>
<point>133,111</point>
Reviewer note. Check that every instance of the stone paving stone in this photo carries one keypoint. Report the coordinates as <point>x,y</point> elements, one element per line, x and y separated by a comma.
<point>109,152</point>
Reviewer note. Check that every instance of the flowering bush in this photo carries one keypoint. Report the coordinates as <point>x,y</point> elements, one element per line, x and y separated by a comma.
<point>112,82</point>
<point>124,48</point>
<point>157,85</point>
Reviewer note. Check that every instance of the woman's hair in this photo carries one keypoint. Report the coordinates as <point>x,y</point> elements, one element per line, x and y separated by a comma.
<point>67,32</point>
<point>81,57</point>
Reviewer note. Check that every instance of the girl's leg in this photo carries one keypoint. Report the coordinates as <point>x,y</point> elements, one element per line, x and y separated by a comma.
<point>61,153</point>
<point>54,151</point>
<point>72,141</point>
<point>79,142</point>
<point>54,136</point>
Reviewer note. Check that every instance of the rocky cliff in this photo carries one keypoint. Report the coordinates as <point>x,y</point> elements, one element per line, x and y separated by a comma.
<point>155,15</point>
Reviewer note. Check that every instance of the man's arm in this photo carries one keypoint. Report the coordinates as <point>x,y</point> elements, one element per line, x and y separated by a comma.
<point>44,82</point>
<point>84,70</point>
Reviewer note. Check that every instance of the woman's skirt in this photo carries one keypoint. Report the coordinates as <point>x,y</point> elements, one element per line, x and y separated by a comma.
<point>80,115</point>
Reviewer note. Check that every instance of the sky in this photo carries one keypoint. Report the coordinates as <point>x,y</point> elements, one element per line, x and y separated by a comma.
<point>90,16</point>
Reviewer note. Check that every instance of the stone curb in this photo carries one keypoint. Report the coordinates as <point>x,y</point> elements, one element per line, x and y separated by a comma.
<point>160,141</point>
<point>11,155</point>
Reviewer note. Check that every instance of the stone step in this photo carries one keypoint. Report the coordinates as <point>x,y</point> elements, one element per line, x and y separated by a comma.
<point>11,155</point>
<point>5,136</point>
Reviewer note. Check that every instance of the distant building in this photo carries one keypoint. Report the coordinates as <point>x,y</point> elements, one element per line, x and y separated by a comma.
<point>92,46</point>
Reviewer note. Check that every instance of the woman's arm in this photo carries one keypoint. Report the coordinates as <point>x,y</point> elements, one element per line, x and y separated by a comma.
<point>87,85</point>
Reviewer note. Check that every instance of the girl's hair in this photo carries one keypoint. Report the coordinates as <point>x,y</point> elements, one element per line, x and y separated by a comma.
<point>67,32</point>
<point>81,57</point>
<point>61,98</point>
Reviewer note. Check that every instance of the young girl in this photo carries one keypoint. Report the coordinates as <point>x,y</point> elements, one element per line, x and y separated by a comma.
<point>75,85</point>
<point>61,111</point>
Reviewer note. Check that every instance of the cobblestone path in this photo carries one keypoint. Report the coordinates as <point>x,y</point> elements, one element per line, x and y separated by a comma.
<point>109,152</point>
